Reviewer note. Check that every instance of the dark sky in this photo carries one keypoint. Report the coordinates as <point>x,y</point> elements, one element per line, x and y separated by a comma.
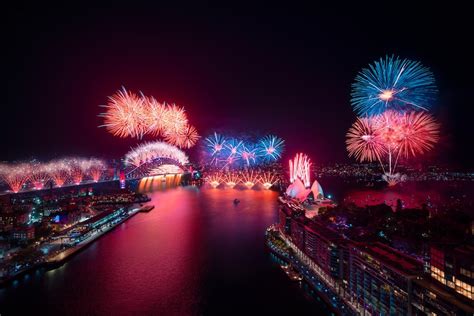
<point>282,70</point>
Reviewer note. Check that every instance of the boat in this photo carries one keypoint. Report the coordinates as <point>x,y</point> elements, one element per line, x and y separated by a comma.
<point>146,208</point>
<point>236,201</point>
<point>291,272</point>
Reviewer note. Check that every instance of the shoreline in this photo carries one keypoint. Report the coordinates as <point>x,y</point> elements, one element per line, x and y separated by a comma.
<point>299,267</point>
<point>62,257</point>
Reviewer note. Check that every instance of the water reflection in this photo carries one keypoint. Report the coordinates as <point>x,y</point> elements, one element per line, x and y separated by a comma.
<point>196,253</point>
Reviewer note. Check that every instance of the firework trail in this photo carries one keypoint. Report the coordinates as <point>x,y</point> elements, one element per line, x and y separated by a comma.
<point>300,168</point>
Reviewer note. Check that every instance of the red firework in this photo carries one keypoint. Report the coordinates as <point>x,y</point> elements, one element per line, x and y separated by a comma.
<point>59,172</point>
<point>419,134</point>
<point>156,111</point>
<point>39,175</point>
<point>391,135</point>
<point>15,176</point>
<point>363,140</point>
<point>185,138</point>
<point>174,119</point>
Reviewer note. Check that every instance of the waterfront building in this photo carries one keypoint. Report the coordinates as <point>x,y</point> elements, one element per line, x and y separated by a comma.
<point>381,278</point>
<point>430,298</point>
<point>454,268</point>
<point>377,279</point>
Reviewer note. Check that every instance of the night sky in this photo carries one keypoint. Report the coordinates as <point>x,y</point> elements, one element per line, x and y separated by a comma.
<point>283,70</point>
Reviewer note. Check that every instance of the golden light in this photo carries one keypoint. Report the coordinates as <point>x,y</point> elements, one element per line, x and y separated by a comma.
<point>386,95</point>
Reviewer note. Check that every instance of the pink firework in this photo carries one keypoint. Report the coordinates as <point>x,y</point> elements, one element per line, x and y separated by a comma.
<point>95,168</point>
<point>39,175</point>
<point>126,115</point>
<point>363,140</point>
<point>78,168</point>
<point>15,176</point>
<point>300,168</point>
<point>388,136</point>
<point>419,134</point>
<point>59,171</point>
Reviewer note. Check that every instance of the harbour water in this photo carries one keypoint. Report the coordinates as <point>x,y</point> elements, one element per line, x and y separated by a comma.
<point>196,253</point>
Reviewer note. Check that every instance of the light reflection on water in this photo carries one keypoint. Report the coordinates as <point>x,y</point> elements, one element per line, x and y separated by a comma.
<point>196,253</point>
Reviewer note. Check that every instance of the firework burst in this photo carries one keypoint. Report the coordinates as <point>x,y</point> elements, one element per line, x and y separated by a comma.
<point>268,179</point>
<point>214,180</point>
<point>393,84</point>
<point>154,119</point>
<point>215,143</point>
<point>15,176</point>
<point>270,147</point>
<point>391,135</point>
<point>419,134</point>
<point>363,141</point>
<point>249,178</point>
<point>126,115</point>
<point>59,171</point>
<point>95,168</point>
<point>39,175</point>
<point>185,138</point>
<point>300,168</point>
<point>231,179</point>
<point>132,115</point>
<point>174,119</point>
<point>147,152</point>
<point>249,154</point>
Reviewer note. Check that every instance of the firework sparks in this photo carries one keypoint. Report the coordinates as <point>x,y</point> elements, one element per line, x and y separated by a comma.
<point>388,136</point>
<point>215,143</point>
<point>393,84</point>
<point>126,115</point>
<point>95,168</point>
<point>147,152</point>
<point>174,119</point>
<point>186,138</point>
<point>39,175</point>
<point>249,178</point>
<point>248,154</point>
<point>300,168</point>
<point>59,171</point>
<point>231,179</point>
<point>214,180</point>
<point>154,119</point>
<point>15,176</point>
<point>132,115</point>
<point>271,147</point>
<point>268,179</point>
<point>363,141</point>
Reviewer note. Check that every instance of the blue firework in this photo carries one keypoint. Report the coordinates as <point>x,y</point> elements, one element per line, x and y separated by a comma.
<point>249,154</point>
<point>393,84</point>
<point>270,147</point>
<point>215,143</point>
